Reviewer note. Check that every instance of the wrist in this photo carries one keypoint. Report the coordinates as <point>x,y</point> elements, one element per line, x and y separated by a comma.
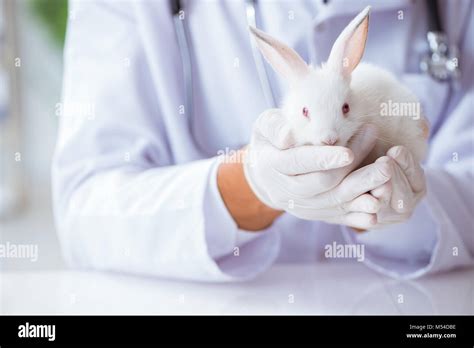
<point>246,209</point>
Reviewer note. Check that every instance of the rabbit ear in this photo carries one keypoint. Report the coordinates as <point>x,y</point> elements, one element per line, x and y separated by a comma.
<point>282,58</point>
<point>348,49</point>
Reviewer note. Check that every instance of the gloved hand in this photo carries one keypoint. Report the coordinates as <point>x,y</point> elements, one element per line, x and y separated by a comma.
<point>400,195</point>
<point>312,182</point>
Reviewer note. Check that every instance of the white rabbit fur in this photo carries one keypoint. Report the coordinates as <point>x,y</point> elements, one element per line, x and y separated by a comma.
<point>323,91</point>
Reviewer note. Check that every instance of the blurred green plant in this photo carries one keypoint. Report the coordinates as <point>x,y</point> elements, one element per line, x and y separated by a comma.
<point>53,14</point>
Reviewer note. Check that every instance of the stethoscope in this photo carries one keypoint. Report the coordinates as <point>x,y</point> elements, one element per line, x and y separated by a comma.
<point>441,61</point>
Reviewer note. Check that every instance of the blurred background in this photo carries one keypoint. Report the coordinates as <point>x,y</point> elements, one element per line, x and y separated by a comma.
<point>31,41</point>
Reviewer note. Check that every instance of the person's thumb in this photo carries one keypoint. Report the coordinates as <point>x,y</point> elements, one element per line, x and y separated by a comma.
<point>272,127</point>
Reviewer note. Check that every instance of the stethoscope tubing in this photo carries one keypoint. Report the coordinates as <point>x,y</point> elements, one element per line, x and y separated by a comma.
<point>258,58</point>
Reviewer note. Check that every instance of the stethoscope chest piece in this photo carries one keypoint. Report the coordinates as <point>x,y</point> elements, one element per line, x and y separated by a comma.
<point>441,61</point>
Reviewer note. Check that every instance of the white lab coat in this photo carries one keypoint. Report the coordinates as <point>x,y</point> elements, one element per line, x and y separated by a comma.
<point>134,191</point>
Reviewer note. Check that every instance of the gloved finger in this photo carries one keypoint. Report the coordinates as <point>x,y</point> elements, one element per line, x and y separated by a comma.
<point>307,159</point>
<point>361,221</point>
<point>383,193</point>
<point>357,183</point>
<point>307,185</point>
<point>272,127</point>
<point>272,160</point>
<point>410,167</point>
<point>403,197</point>
<point>292,161</point>
<point>359,148</point>
<point>365,203</point>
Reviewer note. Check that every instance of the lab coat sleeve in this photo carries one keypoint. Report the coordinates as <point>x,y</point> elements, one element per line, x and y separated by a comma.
<point>440,234</point>
<point>240,253</point>
<point>120,204</point>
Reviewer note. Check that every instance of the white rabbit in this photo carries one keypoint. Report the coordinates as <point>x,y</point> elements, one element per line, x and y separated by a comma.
<point>328,105</point>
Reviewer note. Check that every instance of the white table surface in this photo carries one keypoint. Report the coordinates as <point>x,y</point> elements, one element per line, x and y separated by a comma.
<point>337,288</point>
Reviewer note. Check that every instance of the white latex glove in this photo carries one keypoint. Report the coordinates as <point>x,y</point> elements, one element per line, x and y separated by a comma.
<point>313,182</point>
<point>400,195</point>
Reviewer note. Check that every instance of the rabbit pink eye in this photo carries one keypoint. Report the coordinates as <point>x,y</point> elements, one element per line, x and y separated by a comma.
<point>345,108</point>
<point>305,112</point>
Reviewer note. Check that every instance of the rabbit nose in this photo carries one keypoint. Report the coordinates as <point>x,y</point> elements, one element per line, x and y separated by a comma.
<point>330,139</point>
